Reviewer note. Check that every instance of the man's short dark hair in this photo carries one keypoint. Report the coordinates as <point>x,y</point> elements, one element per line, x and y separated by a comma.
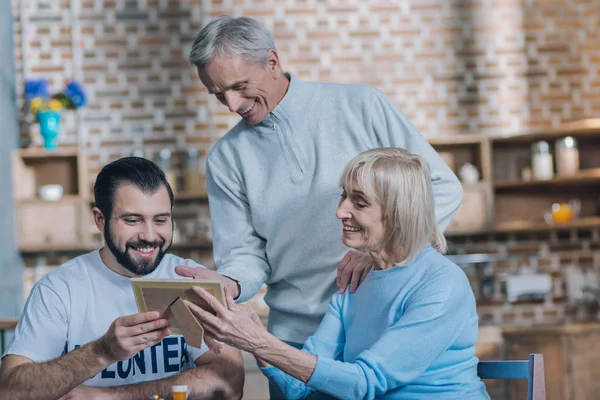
<point>137,171</point>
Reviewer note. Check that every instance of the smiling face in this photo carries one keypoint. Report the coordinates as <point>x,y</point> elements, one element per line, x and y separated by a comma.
<point>363,226</point>
<point>250,90</point>
<point>139,232</point>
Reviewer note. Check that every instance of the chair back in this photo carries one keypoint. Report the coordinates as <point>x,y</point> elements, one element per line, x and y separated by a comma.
<point>532,370</point>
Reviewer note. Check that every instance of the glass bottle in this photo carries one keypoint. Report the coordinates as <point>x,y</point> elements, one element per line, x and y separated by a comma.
<point>195,176</point>
<point>567,157</point>
<point>541,161</point>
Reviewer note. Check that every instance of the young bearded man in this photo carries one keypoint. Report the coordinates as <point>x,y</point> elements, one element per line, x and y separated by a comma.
<point>81,336</point>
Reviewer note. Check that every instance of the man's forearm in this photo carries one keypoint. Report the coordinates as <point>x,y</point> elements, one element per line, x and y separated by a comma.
<point>217,380</point>
<point>53,379</point>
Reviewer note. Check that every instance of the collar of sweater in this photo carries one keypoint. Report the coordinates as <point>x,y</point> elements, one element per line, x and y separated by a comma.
<point>292,99</point>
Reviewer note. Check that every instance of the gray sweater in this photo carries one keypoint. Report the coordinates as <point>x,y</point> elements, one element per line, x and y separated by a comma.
<point>273,192</point>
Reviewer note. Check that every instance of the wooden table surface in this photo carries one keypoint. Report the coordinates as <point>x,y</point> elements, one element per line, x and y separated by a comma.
<point>6,324</point>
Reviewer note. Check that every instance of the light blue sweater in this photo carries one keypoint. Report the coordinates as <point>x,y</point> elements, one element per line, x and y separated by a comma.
<point>273,192</point>
<point>407,333</point>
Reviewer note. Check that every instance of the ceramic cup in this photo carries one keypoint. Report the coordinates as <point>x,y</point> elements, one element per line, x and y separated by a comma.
<point>51,192</point>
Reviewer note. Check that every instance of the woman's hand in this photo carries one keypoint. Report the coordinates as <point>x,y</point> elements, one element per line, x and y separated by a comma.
<point>237,325</point>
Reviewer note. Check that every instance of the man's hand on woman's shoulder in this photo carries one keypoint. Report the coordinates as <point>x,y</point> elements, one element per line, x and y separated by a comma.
<point>353,270</point>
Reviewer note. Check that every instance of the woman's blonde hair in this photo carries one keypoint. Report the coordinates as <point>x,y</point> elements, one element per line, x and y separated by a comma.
<point>399,182</point>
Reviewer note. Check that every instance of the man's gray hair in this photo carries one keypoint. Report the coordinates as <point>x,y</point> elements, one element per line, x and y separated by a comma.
<point>400,183</point>
<point>243,37</point>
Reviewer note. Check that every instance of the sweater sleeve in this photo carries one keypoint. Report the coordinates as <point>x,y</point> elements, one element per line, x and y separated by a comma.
<point>239,251</point>
<point>393,129</point>
<point>327,342</point>
<point>431,320</point>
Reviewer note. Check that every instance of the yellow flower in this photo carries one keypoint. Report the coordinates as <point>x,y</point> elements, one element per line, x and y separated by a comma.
<point>36,104</point>
<point>55,104</point>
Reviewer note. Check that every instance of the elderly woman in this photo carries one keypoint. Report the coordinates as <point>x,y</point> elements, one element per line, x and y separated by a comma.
<point>410,329</point>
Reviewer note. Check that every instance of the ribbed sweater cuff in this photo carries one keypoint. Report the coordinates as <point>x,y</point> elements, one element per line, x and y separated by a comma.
<point>321,374</point>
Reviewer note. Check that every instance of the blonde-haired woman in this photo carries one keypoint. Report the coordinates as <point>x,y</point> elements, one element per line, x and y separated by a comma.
<point>410,329</point>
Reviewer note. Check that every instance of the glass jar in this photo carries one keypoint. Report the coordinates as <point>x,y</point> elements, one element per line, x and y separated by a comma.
<point>567,157</point>
<point>165,163</point>
<point>195,173</point>
<point>541,161</point>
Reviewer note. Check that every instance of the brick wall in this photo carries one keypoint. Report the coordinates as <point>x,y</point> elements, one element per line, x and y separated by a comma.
<point>452,66</point>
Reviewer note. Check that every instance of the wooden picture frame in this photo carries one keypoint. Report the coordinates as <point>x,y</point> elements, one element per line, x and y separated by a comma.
<point>166,296</point>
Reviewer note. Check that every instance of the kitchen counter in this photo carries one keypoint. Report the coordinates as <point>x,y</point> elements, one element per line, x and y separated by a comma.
<point>570,328</point>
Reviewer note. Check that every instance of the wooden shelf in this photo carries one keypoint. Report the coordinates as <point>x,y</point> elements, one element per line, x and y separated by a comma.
<point>56,248</point>
<point>457,140</point>
<point>40,152</point>
<point>586,127</point>
<point>470,232</point>
<point>69,198</point>
<point>583,177</point>
<point>79,248</point>
<point>187,196</point>
<point>526,226</point>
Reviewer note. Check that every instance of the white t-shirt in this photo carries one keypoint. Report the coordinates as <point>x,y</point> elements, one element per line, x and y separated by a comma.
<point>76,304</point>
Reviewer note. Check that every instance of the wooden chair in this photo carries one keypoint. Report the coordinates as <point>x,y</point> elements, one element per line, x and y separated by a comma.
<point>532,370</point>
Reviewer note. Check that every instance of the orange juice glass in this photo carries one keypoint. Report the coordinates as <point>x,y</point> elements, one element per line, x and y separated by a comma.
<point>562,212</point>
<point>179,392</point>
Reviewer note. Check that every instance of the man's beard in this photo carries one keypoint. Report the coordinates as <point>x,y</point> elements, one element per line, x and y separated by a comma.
<point>142,267</point>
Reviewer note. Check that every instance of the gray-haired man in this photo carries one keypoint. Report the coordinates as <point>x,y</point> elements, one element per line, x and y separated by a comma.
<point>272,179</point>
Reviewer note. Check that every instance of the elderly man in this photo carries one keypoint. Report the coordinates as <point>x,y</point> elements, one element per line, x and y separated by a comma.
<point>81,337</point>
<point>272,179</point>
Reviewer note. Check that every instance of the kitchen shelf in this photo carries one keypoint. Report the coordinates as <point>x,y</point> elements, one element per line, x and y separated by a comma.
<point>56,248</point>
<point>48,225</point>
<point>504,199</point>
<point>69,198</point>
<point>583,177</point>
<point>40,152</point>
<point>466,232</point>
<point>578,129</point>
<point>187,196</point>
<point>457,140</point>
<point>526,226</point>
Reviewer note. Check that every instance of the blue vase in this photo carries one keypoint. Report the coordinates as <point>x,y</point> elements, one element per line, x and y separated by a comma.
<point>49,128</point>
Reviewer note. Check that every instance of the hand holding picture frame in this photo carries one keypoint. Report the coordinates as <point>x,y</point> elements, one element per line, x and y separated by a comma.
<point>166,296</point>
